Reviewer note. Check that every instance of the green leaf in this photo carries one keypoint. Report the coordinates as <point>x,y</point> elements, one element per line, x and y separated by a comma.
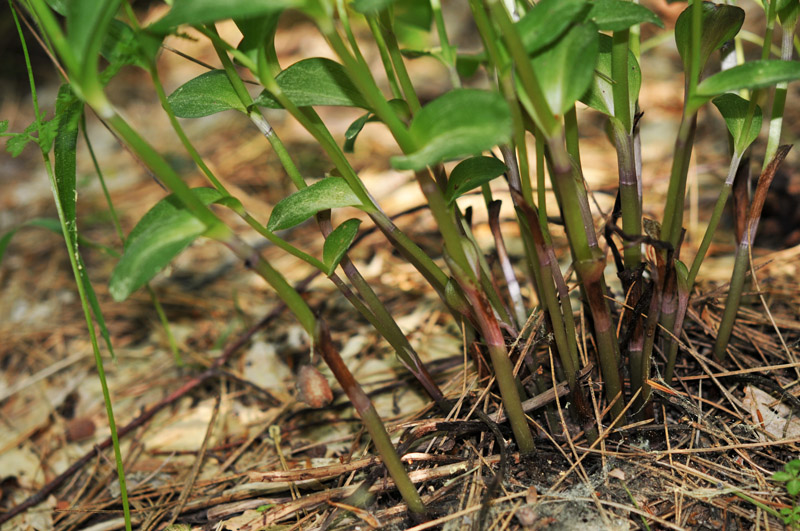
<point>547,21</point>
<point>204,95</point>
<point>43,137</point>
<point>600,94</point>
<point>414,13</point>
<point>793,467</point>
<point>751,75</point>
<point>734,111</point>
<point>331,192</point>
<point>400,107</point>
<point>59,6</point>
<point>166,230</point>
<point>3,126</point>
<point>461,122</point>
<point>258,36</point>
<point>470,174</point>
<point>782,476</point>
<point>370,7</point>
<point>338,242</point>
<point>68,111</point>
<point>793,486</point>
<point>353,130</point>
<point>788,11</point>
<point>720,23</point>
<point>207,11</point>
<point>566,68</point>
<point>124,46</point>
<point>617,15</point>
<point>467,65</point>
<point>315,81</point>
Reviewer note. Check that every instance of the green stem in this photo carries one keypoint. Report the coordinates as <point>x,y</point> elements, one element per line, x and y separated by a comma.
<point>385,57</point>
<point>673,211</point>
<point>779,100</point>
<point>503,369</point>
<point>629,194</point>
<point>76,265</point>
<point>448,51</point>
<point>716,215</point>
<point>734,298</point>
<point>370,418</point>
<point>384,24</point>
<point>619,73</point>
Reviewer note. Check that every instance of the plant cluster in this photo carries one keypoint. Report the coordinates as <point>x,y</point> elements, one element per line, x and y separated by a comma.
<point>520,126</point>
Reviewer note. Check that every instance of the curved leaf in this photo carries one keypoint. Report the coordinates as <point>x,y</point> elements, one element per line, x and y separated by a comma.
<point>788,11</point>
<point>207,94</point>
<point>751,75</point>
<point>720,23</point>
<point>547,21</point>
<point>734,111</point>
<point>461,122</point>
<point>565,69</point>
<point>331,192</point>
<point>315,81</point>
<point>166,230</point>
<point>600,94</point>
<point>338,242</point>
<point>470,174</point>
<point>617,15</point>
<point>258,36</point>
<point>207,11</point>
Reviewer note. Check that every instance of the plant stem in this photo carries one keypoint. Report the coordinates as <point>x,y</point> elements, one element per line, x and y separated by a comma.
<point>369,417</point>
<point>384,24</point>
<point>672,224</point>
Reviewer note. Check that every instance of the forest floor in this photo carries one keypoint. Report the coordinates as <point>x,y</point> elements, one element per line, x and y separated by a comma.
<point>223,441</point>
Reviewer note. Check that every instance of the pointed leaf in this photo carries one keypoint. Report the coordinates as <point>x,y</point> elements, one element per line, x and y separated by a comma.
<point>258,36</point>
<point>734,111</point>
<point>207,11</point>
<point>68,110</point>
<point>750,75</point>
<point>204,95</point>
<point>338,242</point>
<point>547,21</point>
<point>315,81</point>
<point>788,11</point>
<point>470,174</point>
<point>331,192</point>
<point>720,23</point>
<point>166,230</point>
<point>600,94</point>
<point>400,107</point>
<point>565,69</point>
<point>617,15</point>
<point>353,130</point>
<point>461,122</point>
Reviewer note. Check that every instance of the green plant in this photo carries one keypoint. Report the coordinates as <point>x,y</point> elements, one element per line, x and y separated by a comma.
<point>790,477</point>
<point>540,65</point>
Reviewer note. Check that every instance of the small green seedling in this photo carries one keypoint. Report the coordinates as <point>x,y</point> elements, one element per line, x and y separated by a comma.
<point>790,477</point>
